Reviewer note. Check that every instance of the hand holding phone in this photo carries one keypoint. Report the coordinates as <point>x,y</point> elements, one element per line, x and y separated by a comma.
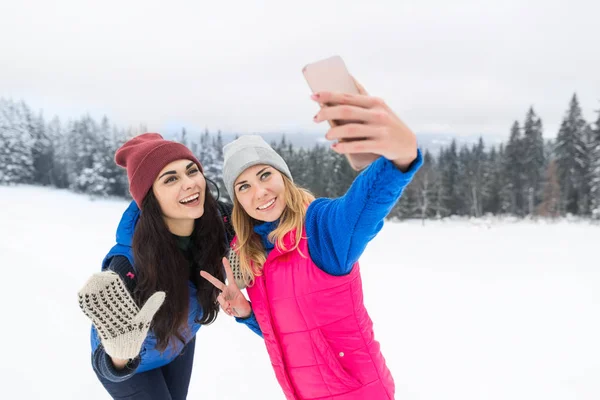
<point>332,75</point>
<point>364,126</point>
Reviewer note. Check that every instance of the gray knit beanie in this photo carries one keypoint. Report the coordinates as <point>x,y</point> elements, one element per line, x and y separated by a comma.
<point>245,152</point>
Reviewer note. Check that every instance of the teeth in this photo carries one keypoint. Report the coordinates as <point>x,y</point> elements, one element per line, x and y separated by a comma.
<point>267,205</point>
<point>191,198</point>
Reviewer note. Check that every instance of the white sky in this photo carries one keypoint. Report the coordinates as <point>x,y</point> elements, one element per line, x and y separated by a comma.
<point>461,66</point>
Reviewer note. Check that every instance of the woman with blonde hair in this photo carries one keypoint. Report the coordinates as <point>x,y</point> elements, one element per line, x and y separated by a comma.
<point>299,256</point>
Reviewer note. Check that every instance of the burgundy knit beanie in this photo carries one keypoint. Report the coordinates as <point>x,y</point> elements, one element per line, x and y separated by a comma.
<point>144,157</point>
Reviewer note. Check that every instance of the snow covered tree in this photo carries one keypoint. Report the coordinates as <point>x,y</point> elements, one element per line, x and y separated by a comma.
<point>424,184</point>
<point>533,160</point>
<point>42,147</point>
<point>338,174</point>
<point>595,169</point>
<point>476,172</point>
<point>82,139</point>
<point>183,137</point>
<point>514,170</point>
<point>58,170</point>
<point>550,205</point>
<point>90,164</point>
<point>110,138</point>
<point>215,169</point>
<point>572,159</point>
<point>493,182</point>
<point>16,145</point>
<point>308,172</point>
<point>449,171</point>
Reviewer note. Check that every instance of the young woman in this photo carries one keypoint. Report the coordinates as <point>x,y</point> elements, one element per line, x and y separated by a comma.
<point>172,230</point>
<point>299,256</point>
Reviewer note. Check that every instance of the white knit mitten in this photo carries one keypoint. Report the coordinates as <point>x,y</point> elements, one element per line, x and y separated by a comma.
<point>121,325</point>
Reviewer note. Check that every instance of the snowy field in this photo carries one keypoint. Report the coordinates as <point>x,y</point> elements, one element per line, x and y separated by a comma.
<point>465,310</point>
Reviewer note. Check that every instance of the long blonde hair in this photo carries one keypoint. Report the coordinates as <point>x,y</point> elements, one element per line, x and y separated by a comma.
<point>249,246</point>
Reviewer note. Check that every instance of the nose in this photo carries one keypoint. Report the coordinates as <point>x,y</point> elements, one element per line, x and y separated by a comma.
<point>187,183</point>
<point>261,192</point>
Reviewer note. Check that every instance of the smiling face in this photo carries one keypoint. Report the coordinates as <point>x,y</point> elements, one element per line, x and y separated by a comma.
<point>261,192</point>
<point>180,190</point>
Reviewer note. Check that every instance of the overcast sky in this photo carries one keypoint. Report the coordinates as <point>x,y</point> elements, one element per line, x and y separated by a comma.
<point>464,67</point>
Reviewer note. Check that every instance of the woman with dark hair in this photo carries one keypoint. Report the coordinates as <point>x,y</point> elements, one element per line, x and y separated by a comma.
<point>172,230</point>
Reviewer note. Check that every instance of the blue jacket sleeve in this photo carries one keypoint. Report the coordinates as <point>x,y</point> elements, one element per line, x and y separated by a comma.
<point>104,367</point>
<point>339,229</point>
<point>251,323</point>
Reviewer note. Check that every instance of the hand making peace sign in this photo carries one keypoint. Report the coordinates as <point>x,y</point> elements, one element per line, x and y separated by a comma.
<point>231,298</point>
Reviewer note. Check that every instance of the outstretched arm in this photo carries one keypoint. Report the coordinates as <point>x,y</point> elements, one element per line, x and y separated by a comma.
<point>339,230</point>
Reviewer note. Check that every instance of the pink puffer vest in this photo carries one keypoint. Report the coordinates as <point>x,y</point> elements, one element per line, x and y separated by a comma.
<point>317,331</point>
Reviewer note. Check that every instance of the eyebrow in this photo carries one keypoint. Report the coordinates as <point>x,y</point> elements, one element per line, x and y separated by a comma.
<point>257,174</point>
<point>175,172</point>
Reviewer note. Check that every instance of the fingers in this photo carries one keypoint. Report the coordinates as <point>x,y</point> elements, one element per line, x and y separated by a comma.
<point>228,271</point>
<point>217,283</point>
<point>353,132</point>
<point>359,100</point>
<point>225,305</point>
<point>348,113</point>
<point>358,146</point>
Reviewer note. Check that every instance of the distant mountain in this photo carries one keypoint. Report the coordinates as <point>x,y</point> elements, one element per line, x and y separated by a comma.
<point>430,141</point>
<point>435,141</point>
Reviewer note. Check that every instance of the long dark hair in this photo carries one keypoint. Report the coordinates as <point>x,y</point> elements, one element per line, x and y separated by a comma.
<point>161,265</point>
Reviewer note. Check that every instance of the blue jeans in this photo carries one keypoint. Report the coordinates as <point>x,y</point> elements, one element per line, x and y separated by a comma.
<point>170,382</point>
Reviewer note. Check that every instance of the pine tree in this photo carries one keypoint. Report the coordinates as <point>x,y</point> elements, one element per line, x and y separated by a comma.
<point>424,184</point>
<point>464,181</point>
<point>438,193</point>
<point>493,182</point>
<point>533,160</point>
<point>42,147</point>
<point>85,166</point>
<point>506,190</point>
<point>310,170</point>
<point>477,170</point>
<point>550,205</point>
<point>449,180</point>
<point>16,145</point>
<point>339,175</point>
<point>514,171</point>
<point>183,137</point>
<point>109,140</point>
<point>58,169</point>
<point>96,179</point>
<point>595,169</point>
<point>572,159</point>
<point>408,205</point>
<point>215,170</point>
<point>204,152</point>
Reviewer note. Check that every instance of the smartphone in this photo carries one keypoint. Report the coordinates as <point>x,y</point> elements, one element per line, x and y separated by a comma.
<point>332,75</point>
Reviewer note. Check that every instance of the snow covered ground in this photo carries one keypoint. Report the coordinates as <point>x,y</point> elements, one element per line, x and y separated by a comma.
<point>463,309</point>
